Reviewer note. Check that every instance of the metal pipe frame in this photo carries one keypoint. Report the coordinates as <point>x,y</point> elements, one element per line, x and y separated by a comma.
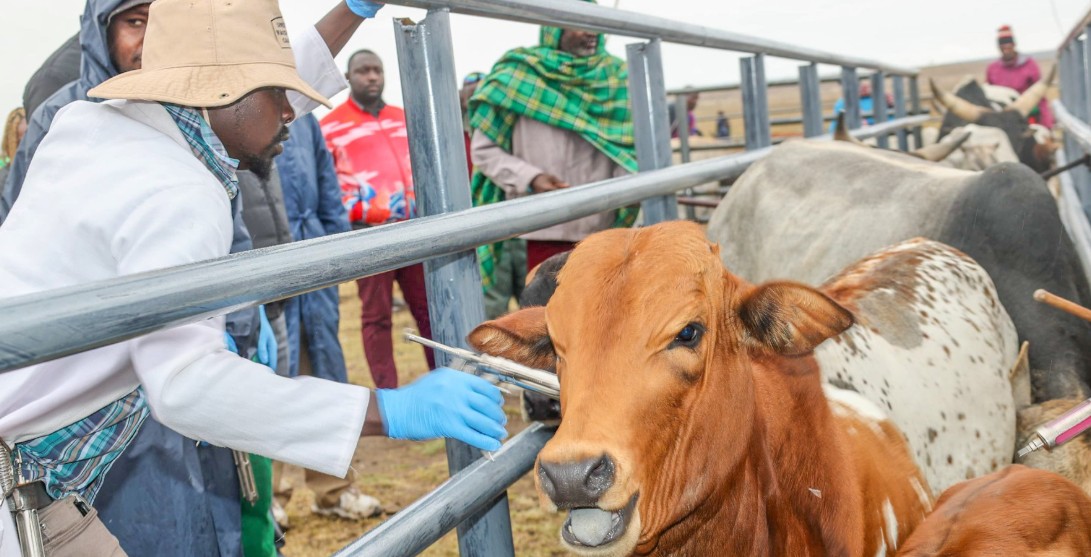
<point>1078,29</point>
<point>455,301</point>
<point>1086,54</point>
<point>810,97</point>
<point>474,488</point>
<point>782,82</point>
<point>64,321</point>
<point>651,125</point>
<point>1078,130</point>
<point>878,105</point>
<point>899,109</point>
<point>592,17</point>
<point>850,92</point>
<point>683,148</point>
<point>915,108</point>
<point>755,103</point>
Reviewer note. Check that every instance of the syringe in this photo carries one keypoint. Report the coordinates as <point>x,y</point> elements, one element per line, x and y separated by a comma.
<point>1061,430</point>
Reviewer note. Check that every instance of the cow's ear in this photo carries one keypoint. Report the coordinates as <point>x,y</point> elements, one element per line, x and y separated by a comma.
<point>520,336</point>
<point>791,319</point>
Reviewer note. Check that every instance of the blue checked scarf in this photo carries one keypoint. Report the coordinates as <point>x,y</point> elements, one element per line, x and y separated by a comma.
<point>75,458</point>
<point>206,146</point>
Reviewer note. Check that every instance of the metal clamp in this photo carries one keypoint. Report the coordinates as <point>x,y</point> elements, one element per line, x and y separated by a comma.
<point>25,500</point>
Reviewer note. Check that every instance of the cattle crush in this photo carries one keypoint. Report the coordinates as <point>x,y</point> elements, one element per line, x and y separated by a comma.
<point>59,323</point>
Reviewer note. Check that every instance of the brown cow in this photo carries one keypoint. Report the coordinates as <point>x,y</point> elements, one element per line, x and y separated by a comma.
<point>1016,511</point>
<point>695,419</point>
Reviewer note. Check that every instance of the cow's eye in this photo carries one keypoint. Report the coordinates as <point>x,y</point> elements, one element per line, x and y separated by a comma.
<point>688,337</point>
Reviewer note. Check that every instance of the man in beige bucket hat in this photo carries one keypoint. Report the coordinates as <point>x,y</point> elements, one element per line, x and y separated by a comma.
<point>144,182</point>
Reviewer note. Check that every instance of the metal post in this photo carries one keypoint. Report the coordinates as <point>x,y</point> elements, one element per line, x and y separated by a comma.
<point>680,102</point>
<point>1079,78</point>
<point>878,105</point>
<point>651,125</point>
<point>850,94</point>
<point>427,519</point>
<point>915,107</point>
<point>899,110</point>
<point>1086,62</point>
<point>755,100</point>
<point>810,94</point>
<point>455,302</point>
<point>1078,97</point>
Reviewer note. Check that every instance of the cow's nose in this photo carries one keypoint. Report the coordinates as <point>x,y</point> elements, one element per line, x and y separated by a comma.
<point>577,483</point>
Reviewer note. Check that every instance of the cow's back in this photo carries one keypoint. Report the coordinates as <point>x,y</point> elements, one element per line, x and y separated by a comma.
<point>810,208</point>
<point>1017,511</point>
<point>933,348</point>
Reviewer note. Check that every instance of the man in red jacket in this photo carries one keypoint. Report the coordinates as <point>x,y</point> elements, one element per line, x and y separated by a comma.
<point>371,155</point>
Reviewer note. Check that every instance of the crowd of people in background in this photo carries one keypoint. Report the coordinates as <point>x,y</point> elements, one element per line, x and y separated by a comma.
<point>349,171</point>
<point>544,118</point>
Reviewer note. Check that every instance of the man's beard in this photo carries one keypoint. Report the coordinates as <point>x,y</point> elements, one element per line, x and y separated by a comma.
<point>262,164</point>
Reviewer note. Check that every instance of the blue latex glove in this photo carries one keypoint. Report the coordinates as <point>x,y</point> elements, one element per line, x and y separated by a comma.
<point>445,403</point>
<point>364,8</point>
<point>230,342</point>
<point>267,342</point>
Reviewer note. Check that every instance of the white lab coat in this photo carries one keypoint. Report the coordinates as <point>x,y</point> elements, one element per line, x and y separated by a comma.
<point>114,189</point>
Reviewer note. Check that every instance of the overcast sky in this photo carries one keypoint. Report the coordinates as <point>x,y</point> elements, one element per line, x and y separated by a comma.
<point>905,33</point>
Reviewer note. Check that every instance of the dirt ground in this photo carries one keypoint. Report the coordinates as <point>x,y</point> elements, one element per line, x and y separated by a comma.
<point>399,472</point>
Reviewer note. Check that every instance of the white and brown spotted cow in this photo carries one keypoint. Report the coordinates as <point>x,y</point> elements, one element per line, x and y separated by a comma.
<point>695,420</point>
<point>935,349</point>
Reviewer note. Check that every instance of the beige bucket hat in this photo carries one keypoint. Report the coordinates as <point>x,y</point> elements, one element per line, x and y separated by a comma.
<point>209,53</point>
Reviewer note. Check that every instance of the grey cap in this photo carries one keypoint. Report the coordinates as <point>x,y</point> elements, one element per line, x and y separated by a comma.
<point>125,5</point>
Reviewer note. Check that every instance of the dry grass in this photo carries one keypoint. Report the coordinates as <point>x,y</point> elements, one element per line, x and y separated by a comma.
<point>399,472</point>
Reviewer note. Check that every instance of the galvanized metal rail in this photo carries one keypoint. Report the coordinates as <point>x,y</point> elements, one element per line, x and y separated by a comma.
<point>44,326</point>
<point>1073,113</point>
<point>49,325</point>
<point>593,17</point>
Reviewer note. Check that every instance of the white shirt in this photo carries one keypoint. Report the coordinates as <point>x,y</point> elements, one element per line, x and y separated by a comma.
<point>113,190</point>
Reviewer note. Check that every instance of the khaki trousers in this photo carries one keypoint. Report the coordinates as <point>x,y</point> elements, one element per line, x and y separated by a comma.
<point>71,528</point>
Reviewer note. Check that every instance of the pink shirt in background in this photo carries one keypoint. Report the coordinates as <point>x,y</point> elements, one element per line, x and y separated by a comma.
<point>1020,75</point>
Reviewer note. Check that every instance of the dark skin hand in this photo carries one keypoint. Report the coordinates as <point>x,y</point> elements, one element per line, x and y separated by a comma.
<point>547,182</point>
<point>373,421</point>
<point>125,37</point>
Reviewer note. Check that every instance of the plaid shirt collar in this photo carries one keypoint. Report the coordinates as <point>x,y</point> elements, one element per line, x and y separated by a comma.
<point>206,146</point>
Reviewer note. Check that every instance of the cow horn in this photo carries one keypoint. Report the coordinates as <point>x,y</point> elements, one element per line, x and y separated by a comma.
<point>958,106</point>
<point>1030,98</point>
<point>939,151</point>
<point>841,132</point>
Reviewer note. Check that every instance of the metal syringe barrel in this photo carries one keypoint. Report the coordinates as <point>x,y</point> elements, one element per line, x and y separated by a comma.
<point>1060,430</point>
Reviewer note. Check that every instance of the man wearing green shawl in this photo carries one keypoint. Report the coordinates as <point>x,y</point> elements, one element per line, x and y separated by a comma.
<point>547,118</point>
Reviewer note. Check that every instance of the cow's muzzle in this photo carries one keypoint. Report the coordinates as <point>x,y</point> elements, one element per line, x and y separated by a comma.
<point>576,483</point>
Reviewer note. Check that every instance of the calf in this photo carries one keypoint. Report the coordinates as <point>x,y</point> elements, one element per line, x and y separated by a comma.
<point>1016,511</point>
<point>695,418</point>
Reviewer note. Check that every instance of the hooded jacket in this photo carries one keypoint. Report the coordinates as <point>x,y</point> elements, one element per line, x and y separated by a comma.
<point>61,68</point>
<point>312,199</point>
